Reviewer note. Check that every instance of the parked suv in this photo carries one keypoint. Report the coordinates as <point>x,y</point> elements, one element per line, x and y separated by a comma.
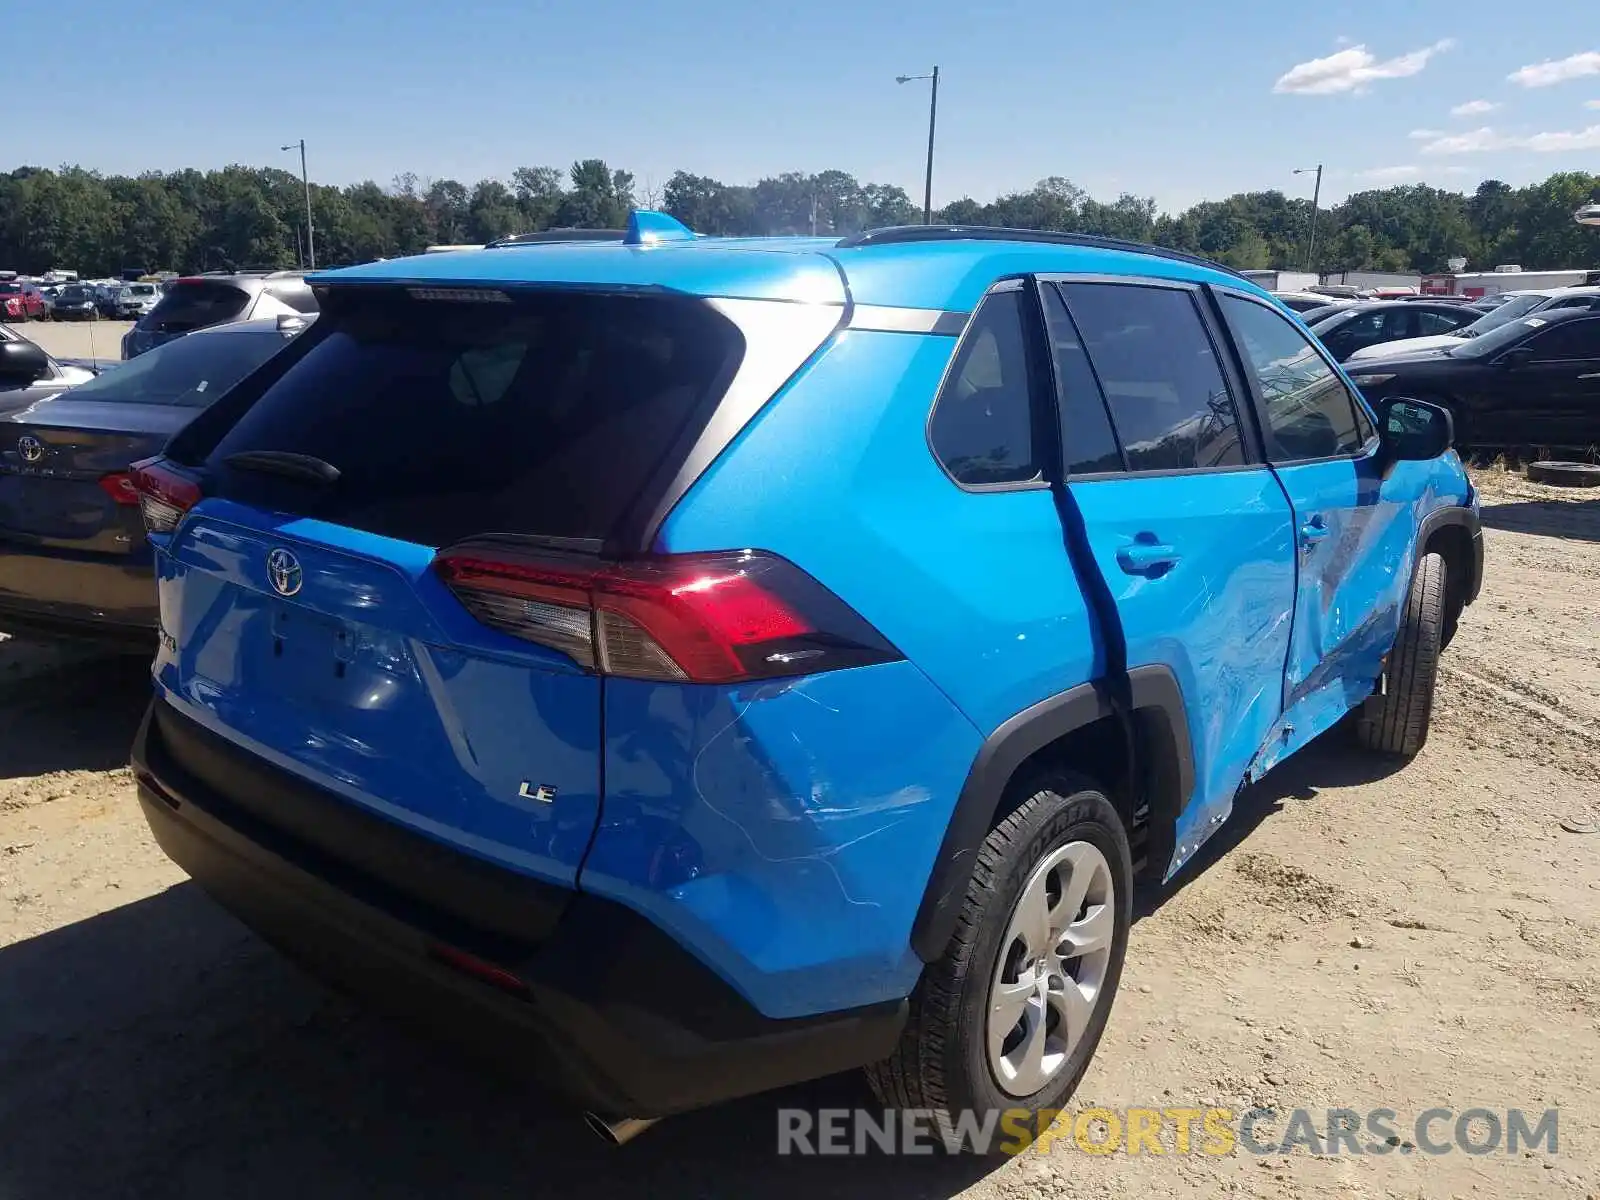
<point>197,301</point>
<point>689,666</point>
<point>136,299</point>
<point>22,301</point>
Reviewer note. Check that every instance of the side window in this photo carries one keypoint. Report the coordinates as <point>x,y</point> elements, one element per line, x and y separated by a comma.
<point>1365,329</point>
<point>1307,409</point>
<point>1429,323</point>
<point>982,427</point>
<point>1159,374</point>
<point>1087,442</point>
<point>1572,340</point>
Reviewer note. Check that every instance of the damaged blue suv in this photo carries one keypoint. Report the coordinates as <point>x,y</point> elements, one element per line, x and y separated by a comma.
<point>686,666</point>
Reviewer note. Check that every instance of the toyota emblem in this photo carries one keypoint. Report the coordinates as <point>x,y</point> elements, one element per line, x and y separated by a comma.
<point>31,448</point>
<point>283,570</point>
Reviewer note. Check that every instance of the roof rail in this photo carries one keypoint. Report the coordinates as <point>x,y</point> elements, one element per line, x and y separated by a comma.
<point>898,235</point>
<point>543,236</point>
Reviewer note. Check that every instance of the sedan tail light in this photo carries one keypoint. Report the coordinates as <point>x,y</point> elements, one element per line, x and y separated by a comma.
<point>120,487</point>
<point>165,493</point>
<point>725,617</point>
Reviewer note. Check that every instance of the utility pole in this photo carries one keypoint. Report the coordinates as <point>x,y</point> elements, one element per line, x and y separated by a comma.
<point>311,238</point>
<point>1316,197</point>
<point>933,119</point>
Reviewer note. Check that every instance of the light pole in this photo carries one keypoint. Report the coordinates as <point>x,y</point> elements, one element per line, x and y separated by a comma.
<point>311,239</point>
<point>933,117</point>
<point>1316,196</point>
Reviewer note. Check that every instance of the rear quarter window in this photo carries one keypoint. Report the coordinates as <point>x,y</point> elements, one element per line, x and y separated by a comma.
<point>982,425</point>
<point>546,414</point>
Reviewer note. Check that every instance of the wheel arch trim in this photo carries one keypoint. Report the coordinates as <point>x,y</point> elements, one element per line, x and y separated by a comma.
<point>1148,689</point>
<point>1449,516</point>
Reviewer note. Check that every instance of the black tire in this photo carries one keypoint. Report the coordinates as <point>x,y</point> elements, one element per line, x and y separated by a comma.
<point>1565,474</point>
<point>942,1063</point>
<point>1395,721</point>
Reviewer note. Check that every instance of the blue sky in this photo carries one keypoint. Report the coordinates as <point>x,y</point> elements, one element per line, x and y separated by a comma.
<point>1179,100</point>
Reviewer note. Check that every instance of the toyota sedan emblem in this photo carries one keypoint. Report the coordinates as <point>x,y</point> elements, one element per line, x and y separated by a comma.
<point>283,569</point>
<point>31,449</point>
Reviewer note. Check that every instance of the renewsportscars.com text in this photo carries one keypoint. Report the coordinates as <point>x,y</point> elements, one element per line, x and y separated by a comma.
<point>1170,1130</point>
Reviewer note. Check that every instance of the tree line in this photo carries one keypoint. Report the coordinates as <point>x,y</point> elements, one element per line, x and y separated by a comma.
<point>243,216</point>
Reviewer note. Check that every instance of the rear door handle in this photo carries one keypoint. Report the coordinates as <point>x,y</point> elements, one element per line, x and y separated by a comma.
<point>1140,557</point>
<point>1313,531</point>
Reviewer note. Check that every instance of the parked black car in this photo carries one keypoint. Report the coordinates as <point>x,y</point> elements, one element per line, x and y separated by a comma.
<point>73,557</point>
<point>76,302</point>
<point>197,301</point>
<point>1358,326</point>
<point>1533,382</point>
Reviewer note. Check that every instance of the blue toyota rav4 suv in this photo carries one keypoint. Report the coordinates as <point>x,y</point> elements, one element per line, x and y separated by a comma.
<point>689,666</point>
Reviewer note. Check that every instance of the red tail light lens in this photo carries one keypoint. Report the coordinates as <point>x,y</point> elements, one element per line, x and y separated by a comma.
<point>165,493</point>
<point>120,487</point>
<point>699,618</point>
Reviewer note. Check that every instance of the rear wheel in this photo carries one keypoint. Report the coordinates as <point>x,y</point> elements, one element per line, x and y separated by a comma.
<point>1011,1014</point>
<point>1395,720</point>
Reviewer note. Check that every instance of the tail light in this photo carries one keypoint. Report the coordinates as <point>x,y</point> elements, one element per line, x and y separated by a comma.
<point>700,618</point>
<point>120,487</point>
<point>165,493</point>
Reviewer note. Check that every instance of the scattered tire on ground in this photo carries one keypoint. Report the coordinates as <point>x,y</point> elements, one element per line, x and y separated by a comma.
<point>1565,474</point>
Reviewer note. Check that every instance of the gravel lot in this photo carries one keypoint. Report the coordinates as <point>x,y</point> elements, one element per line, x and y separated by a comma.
<point>77,339</point>
<point>1356,937</point>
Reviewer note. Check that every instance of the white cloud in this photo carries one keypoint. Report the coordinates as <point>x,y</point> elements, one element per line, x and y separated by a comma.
<point>1475,142</point>
<point>1480,140</point>
<point>1351,69</point>
<point>1423,135</point>
<point>1473,108</point>
<point>1391,173</point>
<point>1592,104</point>
<point>1558,70</point>
<point>1564,140</point>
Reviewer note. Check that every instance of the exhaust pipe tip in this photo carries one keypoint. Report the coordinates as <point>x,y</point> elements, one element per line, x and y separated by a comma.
<point>617,1131</point>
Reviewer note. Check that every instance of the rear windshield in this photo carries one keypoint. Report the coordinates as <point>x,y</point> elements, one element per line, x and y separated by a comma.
<point>190,372</point>
<point>10,289</point>
<point>189,306</point>
<point>544,414</point>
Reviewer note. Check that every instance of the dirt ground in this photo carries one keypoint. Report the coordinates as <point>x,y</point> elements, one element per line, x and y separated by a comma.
<point>1356,937</point>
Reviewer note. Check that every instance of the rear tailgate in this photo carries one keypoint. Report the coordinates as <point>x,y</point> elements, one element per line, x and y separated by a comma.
<point>370,681</point>
<point>302,618</point>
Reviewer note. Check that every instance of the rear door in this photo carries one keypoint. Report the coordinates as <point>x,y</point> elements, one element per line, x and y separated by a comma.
<point>302,617</point>
<point>1558,390</point>
<point>1352,545</point>
<point>1190,532</point>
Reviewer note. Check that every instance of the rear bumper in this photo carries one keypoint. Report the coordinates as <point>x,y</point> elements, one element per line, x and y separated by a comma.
<point>603,1006</point>
<point>61,593</point>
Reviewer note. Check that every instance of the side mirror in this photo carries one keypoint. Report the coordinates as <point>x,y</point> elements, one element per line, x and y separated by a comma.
<point>1413,430</point>
<point>1520,357</point>
<point>22,363</point>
